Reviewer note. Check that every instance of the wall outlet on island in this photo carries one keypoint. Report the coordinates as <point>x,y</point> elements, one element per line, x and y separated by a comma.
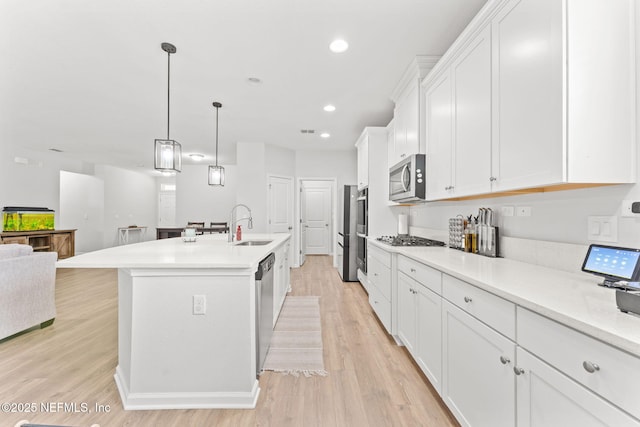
<point>199,304</point>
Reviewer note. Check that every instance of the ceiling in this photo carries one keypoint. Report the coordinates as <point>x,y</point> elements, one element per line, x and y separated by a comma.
<point>90,78</point>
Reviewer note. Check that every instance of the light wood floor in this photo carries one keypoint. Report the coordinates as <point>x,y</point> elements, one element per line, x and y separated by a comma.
<point>371,381</point>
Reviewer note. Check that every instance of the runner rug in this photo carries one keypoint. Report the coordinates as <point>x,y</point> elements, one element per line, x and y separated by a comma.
<point>296,345</point>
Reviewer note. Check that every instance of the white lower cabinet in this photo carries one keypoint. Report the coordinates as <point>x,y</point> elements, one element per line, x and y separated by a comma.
<point>497,364</point>
<point>281,279</point>
<point>379,278</point>
<point>478,382</point>
<point>546,397</point>
<point>420,326</point>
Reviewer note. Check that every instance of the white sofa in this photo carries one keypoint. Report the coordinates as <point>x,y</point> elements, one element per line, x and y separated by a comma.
<point>27,288</point>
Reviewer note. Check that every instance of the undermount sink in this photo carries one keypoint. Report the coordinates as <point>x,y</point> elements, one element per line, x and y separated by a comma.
<point>254,243</point>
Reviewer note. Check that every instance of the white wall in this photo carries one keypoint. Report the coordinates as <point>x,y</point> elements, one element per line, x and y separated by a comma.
<point>197,201</point>
<point>327,164</point>
<point>82,208</point>
<point>36,183</point>
<point>252,183</point>
<point>130,198</point>
<point>280,161</point>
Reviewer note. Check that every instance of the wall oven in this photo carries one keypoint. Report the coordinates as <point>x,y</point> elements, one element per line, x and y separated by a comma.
<point>362,229</point>
<point>407,179</point>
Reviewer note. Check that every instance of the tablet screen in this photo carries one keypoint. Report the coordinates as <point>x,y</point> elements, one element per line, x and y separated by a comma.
<point>612,262</point>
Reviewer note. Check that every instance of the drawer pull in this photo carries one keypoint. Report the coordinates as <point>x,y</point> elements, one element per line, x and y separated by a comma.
<point>413,270</point>
<point>467,299</point>
<point>590,366</point>
<point>518,371</point>
<point>504,360</point>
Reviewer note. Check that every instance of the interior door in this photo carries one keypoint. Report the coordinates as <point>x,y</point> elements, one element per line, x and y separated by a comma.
<point>280,204</point>
<point>317,217</point>
<point>303,229</point>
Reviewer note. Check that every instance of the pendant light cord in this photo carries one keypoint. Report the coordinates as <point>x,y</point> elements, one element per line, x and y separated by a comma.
<point>168,90</point>
<point>217,109</point>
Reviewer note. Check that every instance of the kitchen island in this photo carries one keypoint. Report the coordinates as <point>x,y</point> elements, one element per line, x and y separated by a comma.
<point>186,319</point>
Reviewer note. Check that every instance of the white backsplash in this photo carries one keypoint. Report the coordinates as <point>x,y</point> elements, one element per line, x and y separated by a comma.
<point>559,256</point>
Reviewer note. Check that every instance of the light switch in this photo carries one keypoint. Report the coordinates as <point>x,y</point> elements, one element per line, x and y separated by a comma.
<point>602,228</point>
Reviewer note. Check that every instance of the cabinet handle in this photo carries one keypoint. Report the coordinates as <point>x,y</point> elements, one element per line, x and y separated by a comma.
<point>375,274</point>
<point>493,178</point>
<point>518,371</point>
<point>504,360</point>
<point>413,270</point>
<point>467,299</point>
<point>590,366</point>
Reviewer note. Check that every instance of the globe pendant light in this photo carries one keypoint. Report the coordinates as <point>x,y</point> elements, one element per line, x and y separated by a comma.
<point>168,153</point>
<point>216,173</point>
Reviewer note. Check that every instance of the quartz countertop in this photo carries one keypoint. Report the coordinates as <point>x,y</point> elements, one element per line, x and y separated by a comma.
<point>573,299</point>
<point>208,251</point>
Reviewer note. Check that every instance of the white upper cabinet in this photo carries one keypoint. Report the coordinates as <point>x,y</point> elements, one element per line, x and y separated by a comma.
<point>458,125</point>
<point>543,93</point>
<point>528,78</point>
<point>439,134</point>
<point>471,74</point>
<point>362,147</point>
<point>408,114</point>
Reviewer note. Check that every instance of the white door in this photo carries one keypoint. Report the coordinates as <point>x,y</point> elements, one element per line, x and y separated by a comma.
<point>280,204</point>
<point>317,217</point>
<point>303,229</point>
<point>167,209</point>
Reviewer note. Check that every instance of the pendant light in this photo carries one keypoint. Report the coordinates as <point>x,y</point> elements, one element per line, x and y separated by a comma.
<point>216,173</point>
<point>168,153</point>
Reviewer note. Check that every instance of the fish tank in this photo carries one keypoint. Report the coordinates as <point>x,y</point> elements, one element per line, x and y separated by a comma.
<point>27,219</point>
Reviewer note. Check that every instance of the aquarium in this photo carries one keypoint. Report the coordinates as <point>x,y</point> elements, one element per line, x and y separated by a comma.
<point>27,219</point>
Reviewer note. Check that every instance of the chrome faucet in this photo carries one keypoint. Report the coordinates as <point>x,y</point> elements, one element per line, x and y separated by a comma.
<point>233,221</point>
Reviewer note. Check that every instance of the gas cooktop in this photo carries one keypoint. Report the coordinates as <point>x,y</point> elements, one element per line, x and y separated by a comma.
<point>406,240</point>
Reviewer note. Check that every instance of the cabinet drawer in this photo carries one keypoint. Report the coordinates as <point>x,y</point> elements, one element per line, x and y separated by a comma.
<point>496,312</point>
<point>381,255</point>
<point>617,378</point>
<point>425,275</point>
<point>381,306</point>
<point>379,276</point>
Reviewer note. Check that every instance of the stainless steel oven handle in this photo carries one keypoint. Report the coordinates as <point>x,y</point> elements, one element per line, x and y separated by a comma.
<point>403,181</point>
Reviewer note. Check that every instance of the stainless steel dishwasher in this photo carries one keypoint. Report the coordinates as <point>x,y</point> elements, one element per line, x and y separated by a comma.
<point>264,307</point>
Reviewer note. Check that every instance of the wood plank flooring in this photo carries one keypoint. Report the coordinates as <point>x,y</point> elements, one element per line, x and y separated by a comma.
<point>371,381</point>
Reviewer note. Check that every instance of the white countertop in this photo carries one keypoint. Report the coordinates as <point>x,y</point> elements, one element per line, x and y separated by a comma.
<point>208,251</point>
<point>573,299</point>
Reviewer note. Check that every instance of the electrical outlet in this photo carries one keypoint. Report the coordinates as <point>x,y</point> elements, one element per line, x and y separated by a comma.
<point>507,211</point>
<point>523,211</point>
<point>627,210</point>
<point>602,228</point>
<point>199,304</point>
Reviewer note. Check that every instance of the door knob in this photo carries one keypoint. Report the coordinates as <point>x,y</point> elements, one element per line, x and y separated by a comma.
<point>504,360</point>
<point>518,371</point>
<point>290,228</point>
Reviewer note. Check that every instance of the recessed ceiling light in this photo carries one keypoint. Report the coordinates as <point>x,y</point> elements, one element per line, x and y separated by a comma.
<point>196,156</point>
<point>325,135</point>
<point>329,108</point>
<point>338,46</point>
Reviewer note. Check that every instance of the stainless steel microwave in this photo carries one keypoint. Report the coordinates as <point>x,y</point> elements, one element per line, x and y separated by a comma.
<point>407,179</point>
